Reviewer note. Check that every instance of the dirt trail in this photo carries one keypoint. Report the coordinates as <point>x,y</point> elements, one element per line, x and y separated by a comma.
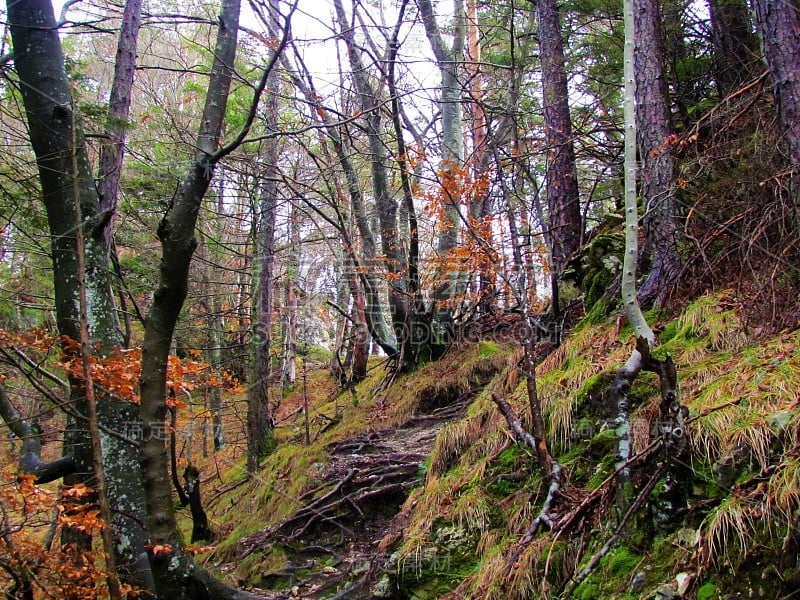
<point>333,539</point>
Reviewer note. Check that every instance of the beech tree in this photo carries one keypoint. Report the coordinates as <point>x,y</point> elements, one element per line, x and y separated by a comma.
<point>363,278</point>
<point>68,190</point>
<point>385,204</point>
<point>66,180</point>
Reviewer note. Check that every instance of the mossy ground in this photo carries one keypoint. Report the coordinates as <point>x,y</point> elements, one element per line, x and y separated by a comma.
<point>479,491</point>
<point>740,395</point>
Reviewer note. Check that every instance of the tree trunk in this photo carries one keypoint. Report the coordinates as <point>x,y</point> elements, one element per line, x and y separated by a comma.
<point>658,164</point>
<point>449,61</point>
<point>289,361</point>
<point>561,175</point>
<point>112,150</point>
<point>201,529</point>
<point>58,143</point>
<point>176,233</point>
<point>778,25</point>
<point>414,335</point>
<point>215,400</point>
<point>369,282</point>
<point>30,456</point>
<point>260,424</point>
<point>733,42</point>
<point>386,206</point>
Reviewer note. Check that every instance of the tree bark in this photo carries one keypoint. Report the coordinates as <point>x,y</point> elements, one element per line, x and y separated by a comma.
<point>201,529</point>
<point>414,334</point>
<point>658,163</point>
<point>58,143</point>
<point>386,206</point>
<point>561,175</point>
<point>645,339</point>
<point>176,233</point>
<point>778,25</point>
<point>112,150</point>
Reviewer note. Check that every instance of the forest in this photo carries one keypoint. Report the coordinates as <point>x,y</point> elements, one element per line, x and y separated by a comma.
<point>403,299</point>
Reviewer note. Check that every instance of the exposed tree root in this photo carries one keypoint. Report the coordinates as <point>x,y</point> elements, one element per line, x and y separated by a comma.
<point>367,480</point>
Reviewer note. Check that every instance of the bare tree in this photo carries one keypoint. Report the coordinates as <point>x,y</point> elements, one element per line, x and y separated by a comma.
<point>449,59</point>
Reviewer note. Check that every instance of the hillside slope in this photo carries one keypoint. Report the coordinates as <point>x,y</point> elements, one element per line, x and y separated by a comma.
<point>417,489</point>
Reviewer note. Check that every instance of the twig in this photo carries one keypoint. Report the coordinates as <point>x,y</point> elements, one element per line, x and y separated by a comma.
<point>713,409</point>
<point>566,521</point>
<point>577,579</point>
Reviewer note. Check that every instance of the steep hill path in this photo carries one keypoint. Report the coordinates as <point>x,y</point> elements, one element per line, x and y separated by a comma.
<point>333,539</point>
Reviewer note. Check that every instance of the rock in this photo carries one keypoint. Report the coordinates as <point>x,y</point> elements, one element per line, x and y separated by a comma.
<point>684,580</point>
<point>385,588</point>
<point>637,582</point>
<point>665,592</point>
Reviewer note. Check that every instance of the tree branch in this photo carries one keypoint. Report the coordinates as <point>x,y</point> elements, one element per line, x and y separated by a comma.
<point>30,457</point>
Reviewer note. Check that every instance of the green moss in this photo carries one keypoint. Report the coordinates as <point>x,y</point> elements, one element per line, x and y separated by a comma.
<point>670,331</point>
<point>597,314</point>
<point>621,562</point>
<point>707,591</point>
<point>508,458</point>
<point>597,285</point>
<point>604,442</point>
<point>644,388</point>
<point>487,349</point>
<point>587,591</point>
<point>446,559</point>
<point>315,354</point>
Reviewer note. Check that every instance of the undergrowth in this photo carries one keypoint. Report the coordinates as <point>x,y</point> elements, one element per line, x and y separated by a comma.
<point>742,494</point>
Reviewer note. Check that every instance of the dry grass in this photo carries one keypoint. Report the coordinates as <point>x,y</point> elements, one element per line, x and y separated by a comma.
<point>472,510</point>
<point>486,583</point>
<point>451,442</point>
<point>711,318</point>
<point>763,382</point>
<point>728,526</point>
<point>784,490</point>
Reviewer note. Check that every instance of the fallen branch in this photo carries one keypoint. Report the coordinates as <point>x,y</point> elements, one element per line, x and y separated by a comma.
<point>544,518</point>
<point>514,423</point>
<point>567,520</point>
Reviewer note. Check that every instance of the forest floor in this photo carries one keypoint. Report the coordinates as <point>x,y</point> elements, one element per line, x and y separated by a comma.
<point>362,498</point>
<point>335,537</point>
